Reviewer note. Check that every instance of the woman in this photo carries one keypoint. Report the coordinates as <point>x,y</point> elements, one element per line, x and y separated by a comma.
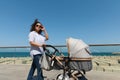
<point>37,41</point>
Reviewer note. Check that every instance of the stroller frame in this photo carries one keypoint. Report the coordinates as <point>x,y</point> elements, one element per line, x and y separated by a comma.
<point>65,63</point>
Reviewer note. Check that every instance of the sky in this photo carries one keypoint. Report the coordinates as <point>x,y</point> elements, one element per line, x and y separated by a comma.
<point>93,21</point>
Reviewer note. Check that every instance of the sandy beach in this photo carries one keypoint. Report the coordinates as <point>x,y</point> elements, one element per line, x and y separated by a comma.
<point>106,63</point>
<point>17,68</point>
<point>100,63</point>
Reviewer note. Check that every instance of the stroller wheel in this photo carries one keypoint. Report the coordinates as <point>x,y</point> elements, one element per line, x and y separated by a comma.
<point>62,77</point>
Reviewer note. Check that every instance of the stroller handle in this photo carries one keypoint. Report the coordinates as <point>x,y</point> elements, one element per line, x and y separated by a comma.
<point>52,47</point>
<point>56,50</point>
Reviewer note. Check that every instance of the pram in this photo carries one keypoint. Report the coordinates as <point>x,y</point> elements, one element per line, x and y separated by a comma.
<point>75,64</point>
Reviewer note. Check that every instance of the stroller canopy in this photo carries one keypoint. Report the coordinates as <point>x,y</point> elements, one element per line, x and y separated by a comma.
<point>77,48</point>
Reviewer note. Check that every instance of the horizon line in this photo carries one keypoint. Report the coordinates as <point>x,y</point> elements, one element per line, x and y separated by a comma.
<point>60,45</point>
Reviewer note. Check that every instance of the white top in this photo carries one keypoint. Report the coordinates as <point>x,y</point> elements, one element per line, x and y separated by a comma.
<point>38,38</point>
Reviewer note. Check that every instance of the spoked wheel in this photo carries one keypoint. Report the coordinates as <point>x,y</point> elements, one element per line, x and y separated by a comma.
<point>62,77</point>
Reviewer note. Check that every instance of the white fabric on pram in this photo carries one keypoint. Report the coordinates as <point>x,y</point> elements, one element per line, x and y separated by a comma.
<point>77,48</point>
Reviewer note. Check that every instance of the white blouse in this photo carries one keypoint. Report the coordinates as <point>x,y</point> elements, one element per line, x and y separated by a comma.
<point>38,38</point>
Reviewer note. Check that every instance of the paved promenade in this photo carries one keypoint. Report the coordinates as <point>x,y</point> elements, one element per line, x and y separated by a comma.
<point>20,72</point>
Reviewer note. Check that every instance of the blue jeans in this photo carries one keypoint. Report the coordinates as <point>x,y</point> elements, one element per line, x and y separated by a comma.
<point>36,65</point>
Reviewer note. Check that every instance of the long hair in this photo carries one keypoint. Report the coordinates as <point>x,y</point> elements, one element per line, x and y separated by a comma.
<point>33,26</point>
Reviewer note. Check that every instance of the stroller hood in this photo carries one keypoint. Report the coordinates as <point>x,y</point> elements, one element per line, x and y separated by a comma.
<point>77,48</point>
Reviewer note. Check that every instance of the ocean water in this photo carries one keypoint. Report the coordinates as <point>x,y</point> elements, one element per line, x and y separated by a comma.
<point>95,51</point>
<point>26,54</point>
<point>14,54</point>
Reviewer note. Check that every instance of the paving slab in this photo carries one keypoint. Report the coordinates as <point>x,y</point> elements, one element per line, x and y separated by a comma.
<point>20,72</point>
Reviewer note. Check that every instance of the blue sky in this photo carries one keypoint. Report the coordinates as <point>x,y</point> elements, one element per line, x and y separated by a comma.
<point>93,21</point>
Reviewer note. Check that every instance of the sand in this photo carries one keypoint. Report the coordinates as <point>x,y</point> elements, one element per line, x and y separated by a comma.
<point>100,63</point>
<point>106,63</point>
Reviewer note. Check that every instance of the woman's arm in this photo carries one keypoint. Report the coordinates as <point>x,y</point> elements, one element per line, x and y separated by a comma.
<point>46,35</point>
<point>45,32</point>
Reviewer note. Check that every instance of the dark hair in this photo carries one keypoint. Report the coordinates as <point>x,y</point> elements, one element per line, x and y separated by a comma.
<point>33,26</point>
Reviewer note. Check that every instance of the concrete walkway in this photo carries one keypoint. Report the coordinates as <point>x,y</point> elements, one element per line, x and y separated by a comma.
<point>20,72</point>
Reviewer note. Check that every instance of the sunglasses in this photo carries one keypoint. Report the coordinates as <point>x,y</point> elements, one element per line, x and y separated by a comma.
<point>39,26</point>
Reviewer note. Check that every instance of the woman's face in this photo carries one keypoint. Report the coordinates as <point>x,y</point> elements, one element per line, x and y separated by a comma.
<point>38,27</point>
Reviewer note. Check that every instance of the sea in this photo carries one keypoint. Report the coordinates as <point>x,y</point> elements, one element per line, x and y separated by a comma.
<point>26,54</point>
<point>95,51</point>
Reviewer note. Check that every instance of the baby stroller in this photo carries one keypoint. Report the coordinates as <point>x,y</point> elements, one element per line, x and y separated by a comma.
<point>75,64</point>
